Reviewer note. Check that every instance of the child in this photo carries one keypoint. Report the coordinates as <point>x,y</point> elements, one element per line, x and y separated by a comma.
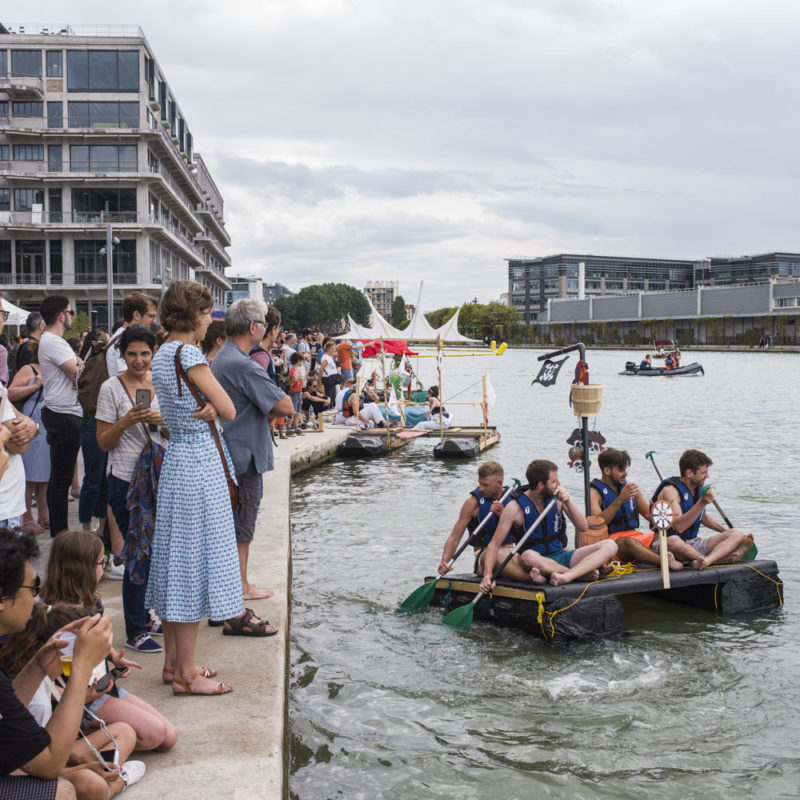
<point>297,374</point>
<point>74,568</point>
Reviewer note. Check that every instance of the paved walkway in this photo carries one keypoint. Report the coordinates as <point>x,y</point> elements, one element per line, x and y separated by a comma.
<point>233,746</point>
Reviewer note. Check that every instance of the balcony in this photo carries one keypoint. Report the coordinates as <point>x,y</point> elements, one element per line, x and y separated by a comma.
<point>114,124</point>
<point>99,277</point>
<point>212,244</point>
<point>14,218</point>
<point>24,279</point>
<point>205,210</point>
<point>22,87</point>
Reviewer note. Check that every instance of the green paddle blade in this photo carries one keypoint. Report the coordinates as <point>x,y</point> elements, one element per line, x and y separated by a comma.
<point>460,617</point>
<point>420,598</point>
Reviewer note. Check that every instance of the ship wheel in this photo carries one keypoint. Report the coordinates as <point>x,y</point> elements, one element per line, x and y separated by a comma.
<point>661,514</point>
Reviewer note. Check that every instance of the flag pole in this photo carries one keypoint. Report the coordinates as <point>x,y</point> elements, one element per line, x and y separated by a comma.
<point>485,407</point>
<point>441,396</point>
<point>385,405</point>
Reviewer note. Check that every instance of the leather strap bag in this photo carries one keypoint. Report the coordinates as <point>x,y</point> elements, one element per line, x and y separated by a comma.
<point>181,376</point>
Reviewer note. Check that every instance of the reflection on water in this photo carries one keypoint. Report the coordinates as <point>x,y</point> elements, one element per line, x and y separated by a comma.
<point>685,705</point>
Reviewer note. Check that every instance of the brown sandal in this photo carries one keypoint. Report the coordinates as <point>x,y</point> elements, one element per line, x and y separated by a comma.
<point>205,672</point>
<point>221,688</point>
<point>246,626</point>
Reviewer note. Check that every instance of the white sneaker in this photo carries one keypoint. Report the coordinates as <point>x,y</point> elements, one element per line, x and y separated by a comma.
<point>114,572</point>
<point>132,771</point>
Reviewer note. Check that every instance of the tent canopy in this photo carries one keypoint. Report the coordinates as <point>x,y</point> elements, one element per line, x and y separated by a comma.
<point>16,315</point>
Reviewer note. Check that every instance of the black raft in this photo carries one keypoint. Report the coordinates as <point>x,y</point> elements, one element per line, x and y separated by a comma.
<point>456,448</point>
<point>578,611</point>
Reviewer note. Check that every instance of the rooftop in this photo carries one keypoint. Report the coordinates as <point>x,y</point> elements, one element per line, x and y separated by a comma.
<point>61,29</point>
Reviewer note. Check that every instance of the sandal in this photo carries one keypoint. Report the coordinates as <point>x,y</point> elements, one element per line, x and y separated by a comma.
<point>220,688</point>
<point>45,523</point>
<point>31,527</point>
<point>205,672</point>
<point>246,626</point>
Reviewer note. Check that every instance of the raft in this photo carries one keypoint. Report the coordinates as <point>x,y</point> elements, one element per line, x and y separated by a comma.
<point>581,611</point>
<point>369,443</point>
<point>694,368</point>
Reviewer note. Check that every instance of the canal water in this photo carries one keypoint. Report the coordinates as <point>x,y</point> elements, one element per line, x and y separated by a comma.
<point>686,704</point>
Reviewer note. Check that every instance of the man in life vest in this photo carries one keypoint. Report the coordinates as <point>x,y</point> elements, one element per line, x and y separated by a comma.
<point>483,502</point>
<point>669,362</point>
<point>544,555</point>
<point>688,501</point>
<point>352,410</point>
<point>646,363</point>
<point>619,503</point>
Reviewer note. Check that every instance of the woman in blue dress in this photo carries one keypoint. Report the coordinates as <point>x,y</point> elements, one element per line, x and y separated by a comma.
<point>194,571</point>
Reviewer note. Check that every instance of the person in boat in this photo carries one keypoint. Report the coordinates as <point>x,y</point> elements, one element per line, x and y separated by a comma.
<point>646,363</point>
<point>670,362</point>
<point>688,500</point>
<point>544,554</point>
<point>351,409</point>
<point>620,503</point>
<point>483,502</point>
<point>438,415</point>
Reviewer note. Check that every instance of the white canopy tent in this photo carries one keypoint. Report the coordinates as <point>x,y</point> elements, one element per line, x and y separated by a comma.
<point>449,331</point>
<point>16,315</point>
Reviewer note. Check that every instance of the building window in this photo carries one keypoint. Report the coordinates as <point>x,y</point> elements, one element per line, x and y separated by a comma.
<point>102,71</point>
<point>54,160</point>
<point>28,152</point>
<point>3,62</point>
<point>3,152</point>
<point>102,158</point>
<point>3,107</point>
<point>54,61</point>
<point>26,62</point>
<point>5,199</point>
<point>56,268</point>
<point>103,115</point>
<point>30,261</point>
<point>5,261</point>
<point>55,213</point>
<point>104,205</point>
<point>22,108</point>
<point>90,266</point>
<point>25,198</point>
<point>55,114</point>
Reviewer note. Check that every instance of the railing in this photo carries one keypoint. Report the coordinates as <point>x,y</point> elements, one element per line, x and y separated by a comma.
<point>69,217</point>
<point>53,29</point>
<point>8,278</point>
<point>74,122</point>
<point>27,82</point>
<point>101,277</point>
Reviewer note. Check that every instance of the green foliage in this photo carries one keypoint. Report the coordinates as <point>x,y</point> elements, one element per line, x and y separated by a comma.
<point>403,324</point>
<point>80,323</point>
<point>631,338</point>
<point>685,337</point>
<point>324,306</point>
<point>477,320</point>
<point>749,338</point>
<point>398,311</point>
<point>441,315</point>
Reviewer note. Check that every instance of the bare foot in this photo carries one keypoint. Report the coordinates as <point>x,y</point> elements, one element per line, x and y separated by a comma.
<point>537,577</point>
<point>673,562</point>
<point>606,569</point>
<point>739,552</point>
<point>254,593</point>
<point>557,579</point>
<point>698,563</point>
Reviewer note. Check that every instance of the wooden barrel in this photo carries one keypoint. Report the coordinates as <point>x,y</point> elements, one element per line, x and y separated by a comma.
<point>586,400</point>
<point>598,531</point>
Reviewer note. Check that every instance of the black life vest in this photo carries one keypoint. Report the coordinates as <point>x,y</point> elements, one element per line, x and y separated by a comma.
<point>627,517</point>
<point>485,510</point>
<point>551,535</point>
<point>687,501</point>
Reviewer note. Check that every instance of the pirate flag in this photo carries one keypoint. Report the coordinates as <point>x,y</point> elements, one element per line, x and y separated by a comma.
<point>549,372</point>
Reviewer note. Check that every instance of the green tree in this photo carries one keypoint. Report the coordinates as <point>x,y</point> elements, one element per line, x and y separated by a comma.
<point>477,320</point>
<point>398,311</point>
<point>324,306</point>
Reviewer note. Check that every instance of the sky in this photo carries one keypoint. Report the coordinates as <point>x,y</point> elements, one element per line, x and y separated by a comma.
<point>358,140</point>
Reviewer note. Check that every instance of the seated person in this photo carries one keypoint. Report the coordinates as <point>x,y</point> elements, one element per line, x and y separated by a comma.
<point>688,501</point>
<point>37,755</point>
<point>483,502</point>
<point>314,398</point>
<point>352,410</point>
<point>670,363</point>
<point>543,555</point>
<point>619,503</point>
<point>646,363</point>
<point>438,415</point>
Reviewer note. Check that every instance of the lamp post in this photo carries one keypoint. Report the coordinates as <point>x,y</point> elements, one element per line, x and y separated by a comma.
<point>108,252</point>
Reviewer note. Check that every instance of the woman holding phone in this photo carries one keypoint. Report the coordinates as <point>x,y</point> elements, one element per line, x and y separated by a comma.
<point>128,419</point>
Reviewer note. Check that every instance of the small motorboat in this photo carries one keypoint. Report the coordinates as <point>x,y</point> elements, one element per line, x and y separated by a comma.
<point>631,368</point>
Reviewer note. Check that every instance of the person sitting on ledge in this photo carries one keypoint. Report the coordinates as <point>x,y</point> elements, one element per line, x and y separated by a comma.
<point>688,500</point>
<point>543,554</point>
<point>619,503</point>
<point>438,415</point>
<point>351,409</point>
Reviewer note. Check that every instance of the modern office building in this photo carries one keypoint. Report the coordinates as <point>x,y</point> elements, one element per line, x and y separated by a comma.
<point>272,291</point>
<point>91,135</point>
<point>732,270</point>
<point>534,281</point>
<point>381,295</point>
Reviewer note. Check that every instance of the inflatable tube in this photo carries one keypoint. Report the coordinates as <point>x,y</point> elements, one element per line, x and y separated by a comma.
<point>456,448</point>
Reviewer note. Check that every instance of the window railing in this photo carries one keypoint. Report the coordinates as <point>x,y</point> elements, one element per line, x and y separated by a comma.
<point>23,278</point>
<point>84,277</point>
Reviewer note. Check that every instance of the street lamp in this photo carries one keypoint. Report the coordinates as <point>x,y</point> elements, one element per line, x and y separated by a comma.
<point>108,252</point>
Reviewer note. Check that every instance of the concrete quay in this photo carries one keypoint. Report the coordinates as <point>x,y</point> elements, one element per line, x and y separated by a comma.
<point>235,746</point>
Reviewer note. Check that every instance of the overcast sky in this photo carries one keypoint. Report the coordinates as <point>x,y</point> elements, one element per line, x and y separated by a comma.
<point>358,140</point>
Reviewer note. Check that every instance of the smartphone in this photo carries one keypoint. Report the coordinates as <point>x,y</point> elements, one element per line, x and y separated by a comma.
<point>143,397</point>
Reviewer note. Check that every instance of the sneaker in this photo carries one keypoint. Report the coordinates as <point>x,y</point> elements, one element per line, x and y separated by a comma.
<point>132,771</point>
<point>115,572</point>
<point>156,628</point>
<point>144,644</point>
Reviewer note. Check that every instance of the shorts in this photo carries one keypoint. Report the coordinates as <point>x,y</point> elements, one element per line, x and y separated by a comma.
<point>251,489</point>
<point>116,691</point>
<point>646,537</point>
<point>701,545</point>
<point>297,401</point>
<point>562,557</point>
<point>25,787</point>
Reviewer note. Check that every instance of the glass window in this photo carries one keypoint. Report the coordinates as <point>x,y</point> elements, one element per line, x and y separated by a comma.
<point>79,158</point>
<point>3,107</point>
<point>54,161</point>
<point>5,261</point>
<point>28,152</point>
<point>27,109</point>
<point>55,114</point>
<point>54,59</point>
<point>26,62</point>
<point>56,269</point>
<point>5,199</point>
<point>54,205</point>
<point>128,71</point>
<point>3,63</point>
<point>104,205</point>
<point>25,198</point>
<point>3,152</point>
<point>102,71</point>
<point>77,71</point>
<point>103,158</point>
<point>90,266</point>
<point>103,115</point>
<point>30,261</point>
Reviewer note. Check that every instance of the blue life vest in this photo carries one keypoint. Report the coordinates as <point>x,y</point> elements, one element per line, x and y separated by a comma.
<point>346,410</point>
<point>627,516</point>
<point>551,535</point>
<point>687,501</point>
<point>485,510</point>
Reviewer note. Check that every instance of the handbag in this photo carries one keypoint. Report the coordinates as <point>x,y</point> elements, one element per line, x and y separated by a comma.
<point>180,373</point>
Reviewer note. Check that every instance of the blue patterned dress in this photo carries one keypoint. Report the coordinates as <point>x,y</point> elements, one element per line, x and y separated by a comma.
<point>195,565</point>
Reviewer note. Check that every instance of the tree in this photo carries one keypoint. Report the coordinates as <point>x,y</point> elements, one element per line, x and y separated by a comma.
<point>398,311</point>
<point>324,306</point>
<point>495,320</point>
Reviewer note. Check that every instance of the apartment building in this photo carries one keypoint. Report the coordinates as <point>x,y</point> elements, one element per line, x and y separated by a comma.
<point>381,295</point>
<point>91,135</point>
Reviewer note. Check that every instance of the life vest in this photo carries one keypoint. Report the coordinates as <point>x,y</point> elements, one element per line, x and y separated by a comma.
<point>687,501</point>
<point>550,536</point>
<point>485,510</point>
<point>669,363</point>
<point>346,410</point>
<point>627,517</point>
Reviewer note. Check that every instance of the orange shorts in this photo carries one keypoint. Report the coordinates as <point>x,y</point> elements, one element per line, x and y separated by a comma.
<point>645,538</point>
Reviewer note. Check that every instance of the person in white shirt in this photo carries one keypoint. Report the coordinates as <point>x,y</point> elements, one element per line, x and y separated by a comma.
<point>61,412</point>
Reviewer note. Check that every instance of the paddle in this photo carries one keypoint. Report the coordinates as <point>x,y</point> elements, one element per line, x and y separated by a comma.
<point>462,617</point>
<point>421,597</point>
<point>752,552</point>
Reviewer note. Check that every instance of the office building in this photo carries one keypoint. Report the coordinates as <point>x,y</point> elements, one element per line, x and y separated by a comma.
<point>91,135</point>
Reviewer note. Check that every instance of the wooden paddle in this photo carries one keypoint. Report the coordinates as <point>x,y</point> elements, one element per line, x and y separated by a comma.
<point>421,597</point>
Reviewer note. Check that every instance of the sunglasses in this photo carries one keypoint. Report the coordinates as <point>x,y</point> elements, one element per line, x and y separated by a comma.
<point>4,315</point>
<point>37,585</point>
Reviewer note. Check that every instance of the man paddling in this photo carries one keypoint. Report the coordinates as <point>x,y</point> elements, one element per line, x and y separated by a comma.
<point>688,501</point>
<point>483,502</point>
<point>543,555</point>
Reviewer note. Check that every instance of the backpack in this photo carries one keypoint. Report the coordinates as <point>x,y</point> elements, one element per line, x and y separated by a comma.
<point>93,375</point>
